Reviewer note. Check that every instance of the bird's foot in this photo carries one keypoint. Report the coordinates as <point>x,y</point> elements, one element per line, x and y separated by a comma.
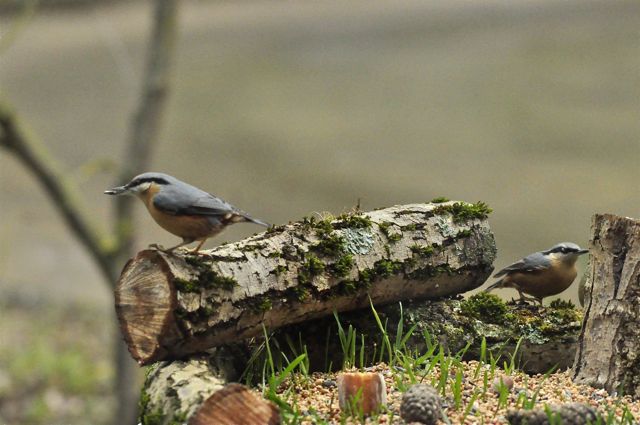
<point>522,301</point>
<point>198,253</point>
<point>162,248</point>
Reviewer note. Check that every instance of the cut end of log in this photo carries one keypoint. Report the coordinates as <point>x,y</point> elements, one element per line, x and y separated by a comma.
<point>144,305</point>
<point>236,404</point>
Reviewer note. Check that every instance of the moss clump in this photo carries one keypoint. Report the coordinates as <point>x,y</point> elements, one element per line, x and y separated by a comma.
<point>184,285</point>
<point>212,279</point>
<point>312,266</point>
<point>486,307</point>
<point>299,292</point>
<point>332,245</point>
<point>431,271</point>
<point>386,268</point>
<point>148,418</point>
<point>410,227</point>
<point>275,229</point>
<point>348,287</point>
<point>207,278</point>
<point>179,418</point>
<point>562,305</point>
<point>206,311</point>
<point>196,261</point>
<point>274,254</point>
<point>265,304</point>
<point>253,247</point>
<point>322,226</point>
<point>380,269</point>
<point>342,267</point>
<point>422,251</point>
<point>464,234</point>
<point>180,313</point>
<point>385,228</point>
<point>561,313</point>
<point>279,270</point>
<point>353,221</point>
<point>439,200</point>
<point>462,212</point>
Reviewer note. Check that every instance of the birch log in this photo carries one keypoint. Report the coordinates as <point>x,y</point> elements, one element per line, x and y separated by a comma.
<point>170,306</point>
<point>198,392</point>
<point>608,354</point>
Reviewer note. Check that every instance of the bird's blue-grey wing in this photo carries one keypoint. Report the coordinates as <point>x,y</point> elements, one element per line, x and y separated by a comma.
<point>191,202</point>
<point>530,263</point>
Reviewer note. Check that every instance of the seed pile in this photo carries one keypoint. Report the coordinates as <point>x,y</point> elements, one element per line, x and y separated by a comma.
<point>482,395</point>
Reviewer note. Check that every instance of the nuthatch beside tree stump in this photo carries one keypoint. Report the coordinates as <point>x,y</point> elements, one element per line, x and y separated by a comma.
<point>542,273</point>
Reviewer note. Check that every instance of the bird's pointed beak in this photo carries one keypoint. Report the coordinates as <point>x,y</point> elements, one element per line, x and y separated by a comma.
<point>583,251</point>
<point>120,190</point>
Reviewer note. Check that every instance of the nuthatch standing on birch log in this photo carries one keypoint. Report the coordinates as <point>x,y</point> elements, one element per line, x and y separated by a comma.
<point>542,273</point>
<point>182,209</point>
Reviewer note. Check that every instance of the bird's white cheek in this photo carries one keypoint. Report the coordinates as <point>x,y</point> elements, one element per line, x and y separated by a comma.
<point>140,188</point>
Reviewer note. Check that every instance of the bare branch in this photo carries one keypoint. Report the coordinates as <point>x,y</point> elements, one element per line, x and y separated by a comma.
<point>146,122</point>
<point>26,147</point>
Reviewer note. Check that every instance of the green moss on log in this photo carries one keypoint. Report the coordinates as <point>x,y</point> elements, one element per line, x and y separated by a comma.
<point>439,200</point>
<point>461,211</point>
<point>486,307</point>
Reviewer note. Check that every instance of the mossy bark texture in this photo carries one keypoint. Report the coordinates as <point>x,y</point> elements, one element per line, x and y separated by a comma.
<point>608,353</point>
<point>548,335</point>
<point>173,305</point>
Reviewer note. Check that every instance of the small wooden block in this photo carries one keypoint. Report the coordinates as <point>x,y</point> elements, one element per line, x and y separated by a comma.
<point>372,397</point>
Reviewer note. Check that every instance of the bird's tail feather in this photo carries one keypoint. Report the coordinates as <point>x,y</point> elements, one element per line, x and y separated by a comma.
<point>495,285</point>
<point>256,221</point>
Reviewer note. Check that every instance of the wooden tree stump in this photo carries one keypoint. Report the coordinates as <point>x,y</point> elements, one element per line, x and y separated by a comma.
<point>608,354</point>
<point>170,306</point>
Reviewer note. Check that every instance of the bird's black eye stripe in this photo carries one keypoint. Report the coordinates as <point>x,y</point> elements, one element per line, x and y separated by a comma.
<point>158,180</point>
<point>564,250</point>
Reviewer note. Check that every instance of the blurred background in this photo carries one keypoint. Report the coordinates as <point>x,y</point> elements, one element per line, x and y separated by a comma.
<point>285,108</point>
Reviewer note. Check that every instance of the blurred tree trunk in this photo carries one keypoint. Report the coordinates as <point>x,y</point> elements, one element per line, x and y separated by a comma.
<point>110,258</point>
<point>145,126</point>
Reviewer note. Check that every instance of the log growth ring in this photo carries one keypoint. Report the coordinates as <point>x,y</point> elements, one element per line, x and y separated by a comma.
<point>145,300</point>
